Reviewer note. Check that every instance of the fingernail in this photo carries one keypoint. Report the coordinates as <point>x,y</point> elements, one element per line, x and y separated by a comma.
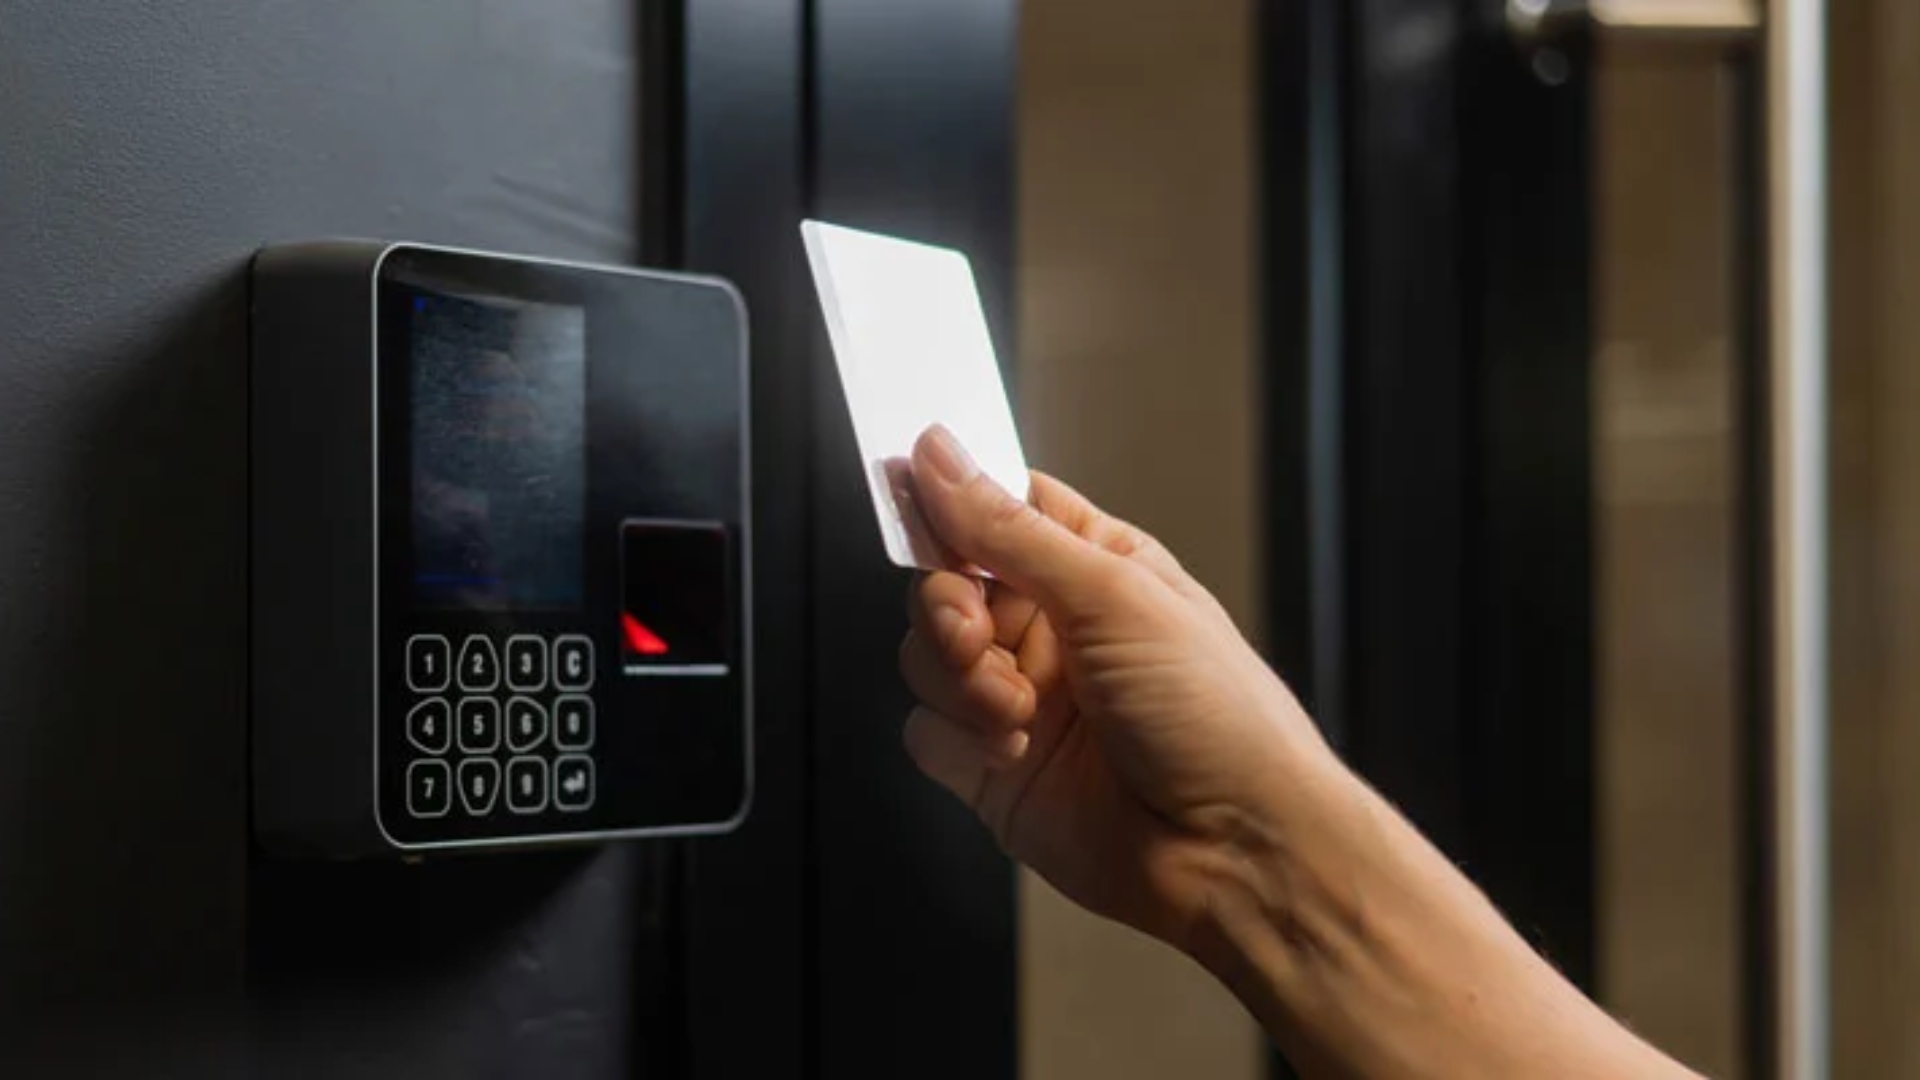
<point>948,458</point>
<point>1010,748</point>
<point>949,623</point>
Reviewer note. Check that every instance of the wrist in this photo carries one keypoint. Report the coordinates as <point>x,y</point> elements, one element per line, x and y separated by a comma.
<point>1275,904</point>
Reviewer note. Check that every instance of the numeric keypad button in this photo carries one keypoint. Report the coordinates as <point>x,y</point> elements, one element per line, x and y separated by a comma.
<point>526,663</point>
<point>430,726</point>
<point>573,662</point>
<point>526,785</point>
<point>479,785</point>
<point>429,659</point>
<point>526,724</point>
<point>479,664</point>
<point>573,722</point>
<point>429,789</point>
<point>479,723</point>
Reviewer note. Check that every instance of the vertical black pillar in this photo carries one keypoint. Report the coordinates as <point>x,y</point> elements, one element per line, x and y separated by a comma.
<point>913,135</point>
<point>740,191</point>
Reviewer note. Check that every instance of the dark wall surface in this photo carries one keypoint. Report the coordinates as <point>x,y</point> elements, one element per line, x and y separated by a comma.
<point>145,150</point>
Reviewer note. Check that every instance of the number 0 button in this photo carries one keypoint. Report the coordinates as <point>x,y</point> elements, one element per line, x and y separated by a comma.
<point>430,726</point>
<point>573,722</point>
<point>573,662</point>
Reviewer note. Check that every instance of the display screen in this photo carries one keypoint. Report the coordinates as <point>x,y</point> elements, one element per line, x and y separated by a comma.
<point>498,392</point>
<point>674,598</point>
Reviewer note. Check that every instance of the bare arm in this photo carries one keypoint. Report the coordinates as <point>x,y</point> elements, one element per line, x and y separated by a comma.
<point>1103,716</point>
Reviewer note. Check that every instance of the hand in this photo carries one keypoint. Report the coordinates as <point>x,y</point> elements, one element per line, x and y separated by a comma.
<point>1094,704</point>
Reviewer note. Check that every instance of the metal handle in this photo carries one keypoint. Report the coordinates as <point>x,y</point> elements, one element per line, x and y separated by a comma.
<point>1541,22</point>
<point>1796,111</point>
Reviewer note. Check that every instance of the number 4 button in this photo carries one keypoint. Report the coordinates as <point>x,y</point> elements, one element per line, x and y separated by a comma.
<point>430,726</point>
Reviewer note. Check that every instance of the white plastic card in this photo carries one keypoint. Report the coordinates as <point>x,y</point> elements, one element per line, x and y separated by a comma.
<point>911,342</point>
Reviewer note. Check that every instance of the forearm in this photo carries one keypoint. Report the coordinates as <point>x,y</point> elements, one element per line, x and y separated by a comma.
<point>1365,953</point>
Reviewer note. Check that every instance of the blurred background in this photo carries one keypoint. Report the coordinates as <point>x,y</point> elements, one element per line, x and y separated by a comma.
<point>1441,341</point>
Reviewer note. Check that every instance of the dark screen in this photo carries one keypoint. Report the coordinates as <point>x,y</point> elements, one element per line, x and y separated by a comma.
<point>498,451</point>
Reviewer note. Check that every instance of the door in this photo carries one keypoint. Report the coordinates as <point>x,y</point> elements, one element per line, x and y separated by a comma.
<point>1548,360</point>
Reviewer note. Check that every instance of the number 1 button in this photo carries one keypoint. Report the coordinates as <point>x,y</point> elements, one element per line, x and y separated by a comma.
<point>428,659</point>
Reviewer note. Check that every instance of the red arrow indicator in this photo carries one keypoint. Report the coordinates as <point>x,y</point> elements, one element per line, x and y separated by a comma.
<point>640,639</point>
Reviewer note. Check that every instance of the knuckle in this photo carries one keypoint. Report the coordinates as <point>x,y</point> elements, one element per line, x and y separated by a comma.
<point>1005,511</point>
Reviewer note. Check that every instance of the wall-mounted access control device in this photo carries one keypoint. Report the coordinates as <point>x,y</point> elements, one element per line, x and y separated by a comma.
<point>500,539</point>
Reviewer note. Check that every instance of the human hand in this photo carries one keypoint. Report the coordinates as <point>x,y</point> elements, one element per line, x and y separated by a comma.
<point>1093,704</point>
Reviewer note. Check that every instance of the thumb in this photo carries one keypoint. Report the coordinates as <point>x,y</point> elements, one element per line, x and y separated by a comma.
<point>984,524</point>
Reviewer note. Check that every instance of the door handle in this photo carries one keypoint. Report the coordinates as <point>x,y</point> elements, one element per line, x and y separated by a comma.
<point>1724,22</point>
<point>1784,43</point>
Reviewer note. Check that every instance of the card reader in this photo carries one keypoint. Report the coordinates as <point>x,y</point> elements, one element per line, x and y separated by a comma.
<point>499,551</point>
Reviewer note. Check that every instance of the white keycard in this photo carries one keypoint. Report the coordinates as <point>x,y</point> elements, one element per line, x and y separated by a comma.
<point>910,340</point>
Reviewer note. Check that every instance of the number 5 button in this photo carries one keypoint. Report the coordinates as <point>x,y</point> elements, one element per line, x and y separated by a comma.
<point>479,725</point>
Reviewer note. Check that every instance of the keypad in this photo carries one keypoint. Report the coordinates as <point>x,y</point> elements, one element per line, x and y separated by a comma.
<point>499,725</point>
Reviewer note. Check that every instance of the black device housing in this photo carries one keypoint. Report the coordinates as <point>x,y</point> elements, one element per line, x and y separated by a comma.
<point>342,753</point>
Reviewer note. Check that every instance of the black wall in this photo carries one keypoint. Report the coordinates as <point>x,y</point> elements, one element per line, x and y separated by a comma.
<point>148,149</point>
